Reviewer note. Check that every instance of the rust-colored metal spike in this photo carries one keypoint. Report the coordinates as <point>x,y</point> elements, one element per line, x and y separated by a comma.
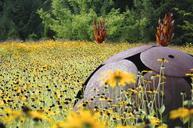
<point>99,31</point>
<point>165,28</point>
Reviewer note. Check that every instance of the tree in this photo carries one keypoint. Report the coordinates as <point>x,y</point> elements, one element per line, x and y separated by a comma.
<point>183,12</point>
<point>20,19</point>
<point>126,20</point>
<point>73,19</point>
<point>7,26</point>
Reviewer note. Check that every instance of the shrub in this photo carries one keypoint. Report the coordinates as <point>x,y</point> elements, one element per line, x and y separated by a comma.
<point>73,20</point>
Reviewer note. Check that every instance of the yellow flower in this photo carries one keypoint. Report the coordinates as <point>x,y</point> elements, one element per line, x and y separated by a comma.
<point>38,115</point>
<point>12,115</point>
<point>128,126</point>
<point>163,60</point>
<point>83,119</point>
<point>163,126</point>
<point>129,114</point>
<point>191,111</point>
<point>189,74</point>
<point>23,98</point>
<point>152,92</point>
<point>122,103</point>
<point>13,112</point>
<point>8,119</point>
<point>179,113</point>
<point>133,90</point>
<point>120,78</point>
<point>154,121</point>
<point>59,125</point>
<point>1,103</point>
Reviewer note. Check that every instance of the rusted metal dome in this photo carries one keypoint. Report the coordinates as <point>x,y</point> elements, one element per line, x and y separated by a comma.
<point>178,65</point>
<point>137,60</point>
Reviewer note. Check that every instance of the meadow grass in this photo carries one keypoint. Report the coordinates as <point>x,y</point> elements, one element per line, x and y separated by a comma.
<point>39,80</point>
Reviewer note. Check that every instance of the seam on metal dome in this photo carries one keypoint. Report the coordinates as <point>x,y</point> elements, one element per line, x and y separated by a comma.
<point>138,63</point>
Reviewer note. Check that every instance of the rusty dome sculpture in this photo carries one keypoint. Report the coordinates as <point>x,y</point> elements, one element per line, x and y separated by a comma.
<point>139,59</point>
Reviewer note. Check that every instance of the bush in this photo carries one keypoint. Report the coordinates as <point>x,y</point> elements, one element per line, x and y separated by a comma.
<point>73,20</point>
<point>185,26</point>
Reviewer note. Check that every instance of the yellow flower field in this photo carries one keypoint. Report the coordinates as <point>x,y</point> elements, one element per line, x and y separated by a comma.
<point>39,80</point>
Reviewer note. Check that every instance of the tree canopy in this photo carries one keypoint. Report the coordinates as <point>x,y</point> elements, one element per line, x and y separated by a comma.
<point>126,20</point>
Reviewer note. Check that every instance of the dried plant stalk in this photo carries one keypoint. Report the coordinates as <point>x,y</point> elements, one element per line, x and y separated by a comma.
<point>99,31</point>
<point>165,28</point>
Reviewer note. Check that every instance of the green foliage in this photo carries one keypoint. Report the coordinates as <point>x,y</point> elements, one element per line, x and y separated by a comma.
<point>126,20</point>
<point>114,21</point>
<point>19,19</point>
<point>186,25</point>
<point>7,27</point>
<point>134,27</point>
<point>73,20</point>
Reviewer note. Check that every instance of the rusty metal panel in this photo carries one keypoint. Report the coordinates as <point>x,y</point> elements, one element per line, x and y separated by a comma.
<point>127,53</point>
<point>95,85</point>
<point>179,63</point>
<point>173,88</point>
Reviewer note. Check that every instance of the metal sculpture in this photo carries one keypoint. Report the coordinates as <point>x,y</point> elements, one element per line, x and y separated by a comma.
<point>164,32</point>
<point>99,31</point>
<point>141,59</point>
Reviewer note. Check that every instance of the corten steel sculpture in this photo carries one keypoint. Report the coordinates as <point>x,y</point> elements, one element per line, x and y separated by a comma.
<point>165,30</point>
<point>142,58</point>
<point>99,31</point>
